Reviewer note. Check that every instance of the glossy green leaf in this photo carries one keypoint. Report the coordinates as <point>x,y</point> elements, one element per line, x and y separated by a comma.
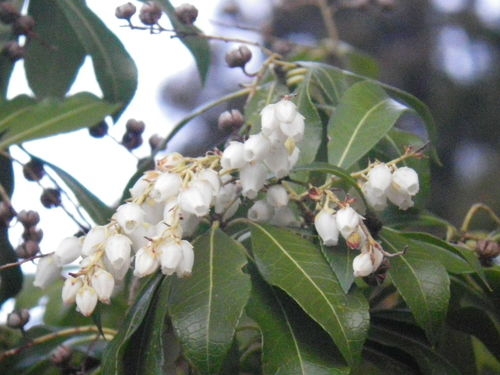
<point>363,117</point>
<point>292,342</point>
<point>98,211</point>
<point>51,66</point>
<point>23,120</point>
<point>421,280</point>
<point>297,266</point>
<point>428,360</point>
<point>114,68</point>
<point>198,46</point>
<point>327,84</point>
<point>206,307</point>
<point>113,357</point>
<point>340,258</point>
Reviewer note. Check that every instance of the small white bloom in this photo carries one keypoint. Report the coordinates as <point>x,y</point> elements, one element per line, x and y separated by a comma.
<point>166,186</point>
<point>406,179</point>
<point>379,179</point>
<point>226,195</point>
<point>232,157</point>
<point>103,283</point>
<point>210,176</point>
<point>277,196</point>
<point>71,286</point>
<point>47,271</point>
<point>285,111</point>
<point>68,250</point>
<point>325,223</point>
<point>86,300</point>
<point>268,120</point>
<point>363,264</point>
<point>170,256</point>
<point>277,160</point>
<point>260,211</point>
<point>252,179</point>
<point>185,265</point>
<point>145,262</point>
<point>256,147</point>
<point>117,249</point>
<point>139,188</point>
<point>196,199</point>
<point>400,198</point>
<point>294,129</point>
<point>374,198</point>
<point>129,216</point>
<point>93,239</point>
<point>118,273</point>
<point>347,221</point>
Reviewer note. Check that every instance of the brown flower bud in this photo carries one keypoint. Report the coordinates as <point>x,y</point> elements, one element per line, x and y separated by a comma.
<point>150,13</point>
<point>186,13</point>
<point>32,234</point>
<point>135,127</point>
<point>51,198</point>
<point>23,25</point>
<point>18,318</point>
<point>155,141</point>
<point>8,13</point>
<point>125,11</point>
<point>238,57</point>
<point>28,218</point>
<point>231,120</point>
<point>99,130</point>
<point>13,51</point>
<point>27,249</point>
<point>131,141</point>
<point>33,170</point>
<point>61,356</point>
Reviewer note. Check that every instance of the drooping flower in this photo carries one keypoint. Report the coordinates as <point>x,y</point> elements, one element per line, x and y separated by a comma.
<point>48,270</point>
<point>68,250</point>
<point>129,216</point>
<point>325,223</point>
<point>86,300</point>
<point>347,221</point>
<point>103,283</point>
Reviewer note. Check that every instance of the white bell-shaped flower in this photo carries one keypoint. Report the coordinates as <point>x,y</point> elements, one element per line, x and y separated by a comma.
<point>379,179</point>
<point>170,256</point>
<point>325,223</point>
<point>196,199</point>
<point>68,250</point>
<point>347,221</point>
<point>86,300</point>
<point>118,273</point>
<point>294,129</point>
<point>256,147</point>
<point>277,196</point>
<point>117,250</point>
<point>285,111</point>
<point>185,265</point>
<point>252,179</point>
<point>268,120</point>
<point>166,186</point>
<point>139,188</point>
<point>277,161</point>
<point>145,262</point>
<point>129,216</point>
<point>226,195</point>
<point>376,200</point>
<point>210,176</point>
<point>260,211</point>
<point>103,283</point>
<point>232,157</point>
<point>48,270</point>
<point>93,240</point>
<point>70,287</point>
<point>406,179</point>
<point>366,263</point>
<point>400,198</point>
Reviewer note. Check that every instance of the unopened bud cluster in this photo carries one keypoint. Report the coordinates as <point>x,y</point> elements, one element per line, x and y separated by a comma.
<point>19,24</point>
<point>151,231</point>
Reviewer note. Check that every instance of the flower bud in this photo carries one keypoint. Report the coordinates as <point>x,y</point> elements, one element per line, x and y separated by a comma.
<point>28,218</point>
<point>99,130</point>
<point>68,250</point>
<point>27,249</point>
<point>33,170</point>
<point>238,57</point>
<point>347,221</point>
<point>51,198</point>
<point>23,25</point>
<point>8,13</point>
<point>325,223</point>
<point>18,318</point>
<point>129,216</point>
<point>70,288</point>
<point>150,13</point>
<point>103,283</point>
<point>47,271</point>
<point>125,11</point>
<point>155,142</point>
<point>86,300</point>
<point>32,234</point>
<point>135,127</point>
<point>260,211</point>
<point>13,50</point>
<point>186,14</point>
<point>230,120</point>
<point>131,141</point>
<point>61,356</point>
<point>117,249</point>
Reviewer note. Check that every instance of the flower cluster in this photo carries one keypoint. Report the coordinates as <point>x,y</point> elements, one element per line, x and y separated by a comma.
<point>150,232</point>
<point>399,186</point>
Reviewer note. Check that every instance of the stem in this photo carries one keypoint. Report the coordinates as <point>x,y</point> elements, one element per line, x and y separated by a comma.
<point>108,335</point>
<point>15,264</point>
<point>331,28</point>
<point>473,212</point>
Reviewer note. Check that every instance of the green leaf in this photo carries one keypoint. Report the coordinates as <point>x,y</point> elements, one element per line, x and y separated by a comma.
<point>296,266</point>
<point>332,83</point>
<point>340,258</point>
<point>24,120</point>
<point>422,282</point>
<point>98,211</point>
<point>113,356</point>
<point>206,307</point>
<point>401,338</point>
<point>189,36</point>
<point>51,67</point>
<point>114,68</point>
<point>292,342</point>
<point>363,117</point>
